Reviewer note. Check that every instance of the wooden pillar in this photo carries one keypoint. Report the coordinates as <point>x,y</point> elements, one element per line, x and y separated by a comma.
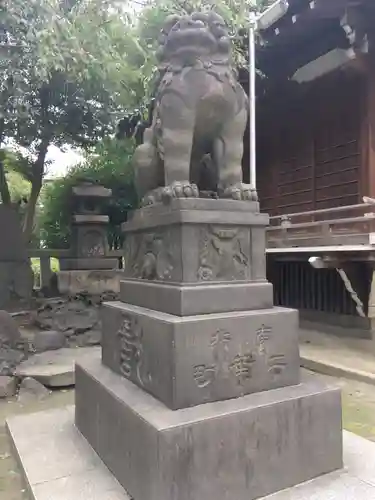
<point>368,131</point>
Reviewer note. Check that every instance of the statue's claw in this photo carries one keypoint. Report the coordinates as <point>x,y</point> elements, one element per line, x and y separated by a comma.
<point>239,192</point>
<point>183,189</point>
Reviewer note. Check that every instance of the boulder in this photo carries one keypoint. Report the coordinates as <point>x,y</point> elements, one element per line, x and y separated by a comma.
<point>9,332</point>
<point>9,360</point>
<point>77,318</point>
<point>48,340</point>
<point>31,390</point>
<point>8,386</point>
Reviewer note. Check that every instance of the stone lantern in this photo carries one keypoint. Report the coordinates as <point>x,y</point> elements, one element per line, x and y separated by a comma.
<point>89,268</point>
<point>89,245</point>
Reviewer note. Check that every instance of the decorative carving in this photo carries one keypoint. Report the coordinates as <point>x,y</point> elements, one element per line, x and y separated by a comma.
<point>222,255</point>
<point>150,256</point>
<point>200,112</point>
<point>276,364</point>
<point>131,349</point>
<point>242,364</point>
<point>263,336</point>
<point>93,244</point>
<point>203,374</point>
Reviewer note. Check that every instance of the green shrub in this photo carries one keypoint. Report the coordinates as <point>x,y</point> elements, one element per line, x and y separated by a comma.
<point>109,165</point>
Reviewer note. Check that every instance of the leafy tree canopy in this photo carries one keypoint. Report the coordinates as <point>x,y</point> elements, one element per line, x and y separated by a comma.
<point>65,77</point>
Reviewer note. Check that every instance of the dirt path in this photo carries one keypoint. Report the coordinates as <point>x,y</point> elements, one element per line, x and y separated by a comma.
<point>358,417</point>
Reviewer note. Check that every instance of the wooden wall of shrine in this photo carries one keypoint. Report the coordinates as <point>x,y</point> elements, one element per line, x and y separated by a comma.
<point>310,145</point>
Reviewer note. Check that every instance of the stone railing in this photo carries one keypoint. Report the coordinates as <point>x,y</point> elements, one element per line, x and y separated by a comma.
<point>45,256</point>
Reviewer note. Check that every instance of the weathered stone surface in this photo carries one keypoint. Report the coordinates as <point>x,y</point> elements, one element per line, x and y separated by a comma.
<point>83,264</point>
<point>72,317</point>
<point>9,332</point>
<point>30,389</point>
<point>16,277</point>
<point>196,243</point>
<point>90,282</point>
<point>9,360</point>
<point>89,338</point>
<point>12,347</point>
<point>8,386</point>
<point>197,299</point>
<point>196,359</point>
<point>242,448</point>
<point>55,368</point>
<point>48,340</point>
<point>82,476</point>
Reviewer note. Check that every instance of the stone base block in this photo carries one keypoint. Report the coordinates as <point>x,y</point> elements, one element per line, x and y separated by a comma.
<point>185,361</point>
<point>93,282</point>
<point>241,449</point>
<point>50,437</point>
<point>88,264</point>
<point>196,241</point>
<point>197,299</point>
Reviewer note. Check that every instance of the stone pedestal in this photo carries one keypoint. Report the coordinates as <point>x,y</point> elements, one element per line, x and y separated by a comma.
<point>198,394</point>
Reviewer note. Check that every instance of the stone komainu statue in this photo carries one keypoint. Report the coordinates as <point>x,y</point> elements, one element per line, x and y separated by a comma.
<point>195,141</point>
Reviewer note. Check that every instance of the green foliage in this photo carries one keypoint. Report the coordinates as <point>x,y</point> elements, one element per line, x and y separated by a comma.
<point>151,20</point>
<point>19,187</point>
<point>14,164</point>
<point>65,77</point>
<point>108,164</point>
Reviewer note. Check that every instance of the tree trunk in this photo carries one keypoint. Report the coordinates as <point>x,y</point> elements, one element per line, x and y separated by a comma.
<point>36,186</point>
<point>4,188</point>
<point>28,225</point>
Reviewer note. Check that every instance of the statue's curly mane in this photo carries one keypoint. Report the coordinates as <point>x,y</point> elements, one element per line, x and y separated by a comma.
<point>202,34</point>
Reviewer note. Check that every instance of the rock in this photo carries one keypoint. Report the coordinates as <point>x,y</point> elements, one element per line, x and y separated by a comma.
<point>55,368</point>
<point>12,346</point>
<point>8,386</point>
<point>76,317</point>
<point>9,331</point>
<point>31,389</point>
<point>9,359</point>
<point>88,338</point>
<point>48,340</point>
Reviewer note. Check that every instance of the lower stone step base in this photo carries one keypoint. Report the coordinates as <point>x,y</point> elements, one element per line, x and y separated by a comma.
<point>57,464</point>
<point>239,449</point>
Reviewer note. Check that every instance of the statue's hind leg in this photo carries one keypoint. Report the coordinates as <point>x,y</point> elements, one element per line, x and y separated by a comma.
<point>228,150</point>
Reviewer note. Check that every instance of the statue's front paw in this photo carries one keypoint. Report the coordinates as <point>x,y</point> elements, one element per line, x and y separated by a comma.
<point>182,189</point>
<point>240,191</point>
